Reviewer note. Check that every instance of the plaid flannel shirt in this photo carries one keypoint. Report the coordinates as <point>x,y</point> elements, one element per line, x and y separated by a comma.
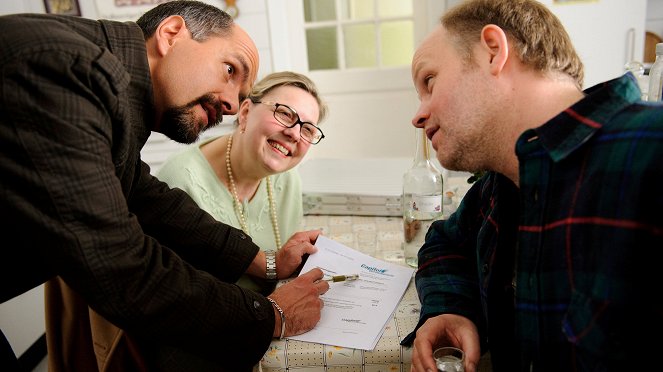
<point>561,273</point>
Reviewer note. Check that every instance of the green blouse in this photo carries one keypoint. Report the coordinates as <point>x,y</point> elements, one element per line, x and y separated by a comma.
<point>191,172</point>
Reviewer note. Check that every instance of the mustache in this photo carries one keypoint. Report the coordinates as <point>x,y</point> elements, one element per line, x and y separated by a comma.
<point>209,101</point>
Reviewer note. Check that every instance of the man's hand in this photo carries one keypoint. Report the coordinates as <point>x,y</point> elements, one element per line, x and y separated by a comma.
<point>446,330</point>
<point>300,301</point>
<point>290,256</point>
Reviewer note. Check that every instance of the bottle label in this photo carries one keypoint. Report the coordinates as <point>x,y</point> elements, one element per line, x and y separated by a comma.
<point>426,203</point>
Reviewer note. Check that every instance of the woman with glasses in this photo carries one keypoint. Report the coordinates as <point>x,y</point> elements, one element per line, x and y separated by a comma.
<point>246,178</point>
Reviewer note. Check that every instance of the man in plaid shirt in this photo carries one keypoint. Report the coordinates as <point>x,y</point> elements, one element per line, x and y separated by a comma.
<point>550,261</point>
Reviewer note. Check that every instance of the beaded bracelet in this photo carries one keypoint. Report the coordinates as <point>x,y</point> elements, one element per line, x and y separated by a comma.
<point>278,308</point>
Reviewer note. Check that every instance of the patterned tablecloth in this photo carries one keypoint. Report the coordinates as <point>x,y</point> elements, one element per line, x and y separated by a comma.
<point>377,236</point>
<point>380,237</point>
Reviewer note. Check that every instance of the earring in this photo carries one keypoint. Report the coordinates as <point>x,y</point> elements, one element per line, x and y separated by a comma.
<point>241,131</point>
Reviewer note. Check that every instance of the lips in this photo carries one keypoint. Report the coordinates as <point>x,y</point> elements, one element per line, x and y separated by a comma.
<point>430,132</point>
<point>280,148</point>
<point>212,116</point>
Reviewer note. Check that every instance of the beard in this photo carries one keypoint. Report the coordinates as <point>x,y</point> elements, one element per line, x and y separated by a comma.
<point>181,125</point>
<point>466,147</point>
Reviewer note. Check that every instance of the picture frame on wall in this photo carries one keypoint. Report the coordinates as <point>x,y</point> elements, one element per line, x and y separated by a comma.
<point>66,7</point>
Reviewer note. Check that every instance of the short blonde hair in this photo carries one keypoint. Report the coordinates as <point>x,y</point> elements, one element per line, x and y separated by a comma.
<point>538,37</point>
<point>287,78</point>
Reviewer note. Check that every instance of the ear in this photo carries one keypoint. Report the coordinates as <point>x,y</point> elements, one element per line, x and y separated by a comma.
<point>243,113</point>
<point>168,32</point>
<point>496,44</point>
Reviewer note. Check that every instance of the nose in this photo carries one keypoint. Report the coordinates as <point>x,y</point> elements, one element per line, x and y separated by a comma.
<point>420,118</point>
<point>230,99</point>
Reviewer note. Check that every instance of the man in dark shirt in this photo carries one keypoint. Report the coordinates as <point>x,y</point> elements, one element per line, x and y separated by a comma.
<point>550,262</point>
<point>78,100</point>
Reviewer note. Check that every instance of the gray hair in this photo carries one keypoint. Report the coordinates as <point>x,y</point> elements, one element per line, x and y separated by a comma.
<point>202,20</point>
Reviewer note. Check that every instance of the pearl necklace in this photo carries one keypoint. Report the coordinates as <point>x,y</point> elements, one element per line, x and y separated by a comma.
<point>237,204</point>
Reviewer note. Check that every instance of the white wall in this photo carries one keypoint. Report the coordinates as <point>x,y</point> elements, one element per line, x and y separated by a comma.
<point>655,17</point>
<point>601,32</point>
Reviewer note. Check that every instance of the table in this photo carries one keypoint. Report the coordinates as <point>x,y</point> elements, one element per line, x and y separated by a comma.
<point>380,237</point>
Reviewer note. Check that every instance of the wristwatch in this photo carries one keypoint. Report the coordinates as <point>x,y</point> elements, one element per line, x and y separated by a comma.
<point>270,257</point>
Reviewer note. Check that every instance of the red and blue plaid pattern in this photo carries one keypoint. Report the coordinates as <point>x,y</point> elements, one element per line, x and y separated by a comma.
<point>561,273</point>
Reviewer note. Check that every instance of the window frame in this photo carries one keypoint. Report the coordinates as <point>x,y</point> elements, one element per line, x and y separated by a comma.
<point>288,44</point>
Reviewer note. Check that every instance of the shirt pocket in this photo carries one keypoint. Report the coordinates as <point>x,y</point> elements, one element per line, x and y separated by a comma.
<point>597,327</point>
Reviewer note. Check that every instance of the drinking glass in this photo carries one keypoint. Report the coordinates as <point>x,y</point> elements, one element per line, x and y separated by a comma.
<point>449,359</point>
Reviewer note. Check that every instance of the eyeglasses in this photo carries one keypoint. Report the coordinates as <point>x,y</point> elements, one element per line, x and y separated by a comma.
<point>288,117</point>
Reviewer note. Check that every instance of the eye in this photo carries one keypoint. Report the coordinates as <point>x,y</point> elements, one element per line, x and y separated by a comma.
<point>285,114</point>
<point>308,130</point>
<point>230,70</point>
<point>427,81</point>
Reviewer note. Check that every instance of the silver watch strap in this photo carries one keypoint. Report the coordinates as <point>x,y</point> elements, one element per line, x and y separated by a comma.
<point>270,257</point>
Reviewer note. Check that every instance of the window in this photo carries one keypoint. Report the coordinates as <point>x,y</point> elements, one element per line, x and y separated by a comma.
<point>350,46</point>
<point>347,34</point>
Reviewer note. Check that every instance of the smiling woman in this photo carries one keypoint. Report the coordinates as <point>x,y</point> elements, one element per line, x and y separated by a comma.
<point>275,128</point>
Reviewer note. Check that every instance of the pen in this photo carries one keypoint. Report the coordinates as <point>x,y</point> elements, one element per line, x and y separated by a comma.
<point>342,278</point>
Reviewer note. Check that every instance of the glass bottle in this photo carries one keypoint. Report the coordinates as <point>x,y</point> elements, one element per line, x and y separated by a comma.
<point>421,198</point>
<point>638,70</point>
<point>656,75</point>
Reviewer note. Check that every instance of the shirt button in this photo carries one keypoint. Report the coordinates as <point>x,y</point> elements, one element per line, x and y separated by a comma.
<point>484,268</point>
<point>256,305</point>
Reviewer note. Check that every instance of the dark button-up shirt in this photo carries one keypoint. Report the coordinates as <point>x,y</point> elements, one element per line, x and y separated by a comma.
<point>561,274</point>
<point>76,107</point>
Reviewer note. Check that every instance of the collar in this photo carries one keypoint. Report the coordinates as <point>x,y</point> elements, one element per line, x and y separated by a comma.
<point>127,43</point>
<point>566,132</point>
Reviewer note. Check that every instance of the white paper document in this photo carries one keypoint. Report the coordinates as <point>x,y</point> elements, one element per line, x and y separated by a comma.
<point>355,312</point>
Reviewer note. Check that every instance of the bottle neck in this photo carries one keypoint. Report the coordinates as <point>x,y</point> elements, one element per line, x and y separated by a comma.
<point>422,148</point>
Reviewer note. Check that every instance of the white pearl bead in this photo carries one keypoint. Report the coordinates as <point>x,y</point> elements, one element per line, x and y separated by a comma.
<point>237,204</point>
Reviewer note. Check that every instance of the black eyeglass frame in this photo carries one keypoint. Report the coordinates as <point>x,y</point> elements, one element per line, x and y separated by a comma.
<point>299,121</point>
